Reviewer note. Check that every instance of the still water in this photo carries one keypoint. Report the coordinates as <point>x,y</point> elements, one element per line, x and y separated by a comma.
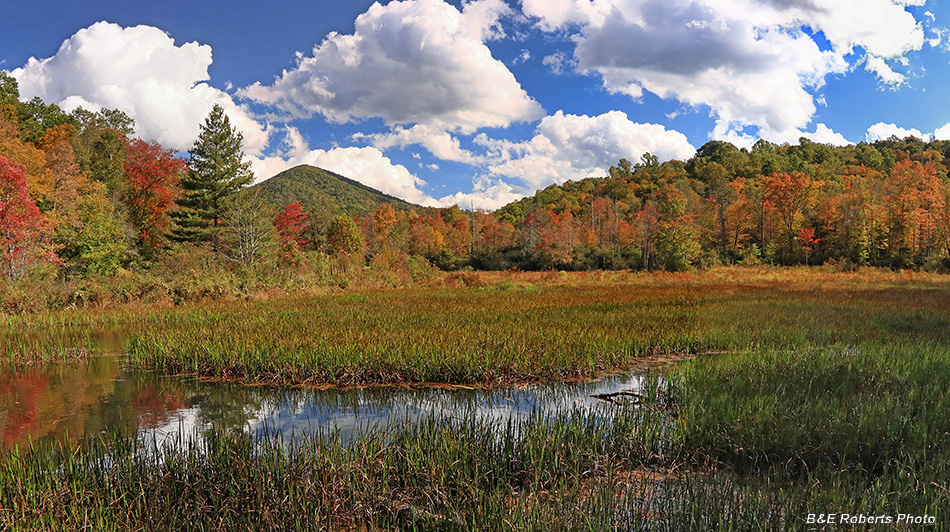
<point>104,395</point>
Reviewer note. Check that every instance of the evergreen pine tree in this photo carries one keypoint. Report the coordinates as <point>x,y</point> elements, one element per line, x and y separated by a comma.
<point>217,170</point>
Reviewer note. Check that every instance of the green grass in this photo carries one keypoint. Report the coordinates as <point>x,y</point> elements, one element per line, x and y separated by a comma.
<point>26,347</point>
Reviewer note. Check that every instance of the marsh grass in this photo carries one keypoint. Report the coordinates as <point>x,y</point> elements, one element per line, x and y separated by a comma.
<point>28,347</point>
<point>494,335</point>
<point>555,471</point>
<point>482,336</point>
<point>828,396</point>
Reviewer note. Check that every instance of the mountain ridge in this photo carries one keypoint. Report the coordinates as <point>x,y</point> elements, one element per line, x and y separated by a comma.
<point>319,189</point>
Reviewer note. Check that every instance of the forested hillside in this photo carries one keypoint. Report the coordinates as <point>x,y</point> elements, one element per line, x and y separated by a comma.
<point>319,190</point>
<point>886,204</point>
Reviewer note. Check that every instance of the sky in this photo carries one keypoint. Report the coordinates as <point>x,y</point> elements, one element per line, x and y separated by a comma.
<point>481,102</point>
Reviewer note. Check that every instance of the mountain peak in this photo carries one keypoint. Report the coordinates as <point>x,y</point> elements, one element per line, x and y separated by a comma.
<point>318,189</point>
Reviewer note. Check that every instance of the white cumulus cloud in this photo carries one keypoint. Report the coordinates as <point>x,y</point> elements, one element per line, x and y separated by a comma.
<point>882,131</point>
<point>141,71</point>
<point>576,146</point>
<point>408,62</point>
<point>488,194</point>
<point>822,135</point>
<point>825,135</point>
<point>748,61</point>
<point>942,133</point>
<point>441,144</point>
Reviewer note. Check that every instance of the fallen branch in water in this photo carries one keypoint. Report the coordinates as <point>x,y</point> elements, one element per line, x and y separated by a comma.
<point>612,397</point>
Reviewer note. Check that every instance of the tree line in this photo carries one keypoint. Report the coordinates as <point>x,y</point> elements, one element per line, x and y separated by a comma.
<point>80,196</point>
<point>885,204</point>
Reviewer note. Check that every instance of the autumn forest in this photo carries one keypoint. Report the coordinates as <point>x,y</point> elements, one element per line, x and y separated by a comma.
<point>84,198</point>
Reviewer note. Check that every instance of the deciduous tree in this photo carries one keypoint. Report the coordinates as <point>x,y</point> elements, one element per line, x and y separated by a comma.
<point>807,240</point>
<point>248,236</point>
<point>787,195</point>
<point>152,174</point>
<point>88,233</point>
<point>913,197</point>
<point>96,245</point>
<point>677,243</point>
<point>25,239</point>
<point>39,180</point>
<point>65,176</point>
<point>740,215</point>
<point>384,223</point>
<point>291,225</point>
<point>37,118</point>
<point>343,237</point>
<point>101,146</point>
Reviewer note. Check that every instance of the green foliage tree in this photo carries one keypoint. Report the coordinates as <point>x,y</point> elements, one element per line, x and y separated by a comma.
<point>648,160</point>
<point>677,243</point>
<point>9,89</point>
<point>217,170</point>
<point>623,169</point>
<point>98,244</point>
<point>36,118</point>
<point>100,146</point>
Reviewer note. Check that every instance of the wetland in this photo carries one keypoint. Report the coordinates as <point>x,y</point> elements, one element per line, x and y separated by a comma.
<point>801,392</point>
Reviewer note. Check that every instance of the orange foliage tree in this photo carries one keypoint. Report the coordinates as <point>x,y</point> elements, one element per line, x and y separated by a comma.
<point>787,195</point>
<point>914,198</point>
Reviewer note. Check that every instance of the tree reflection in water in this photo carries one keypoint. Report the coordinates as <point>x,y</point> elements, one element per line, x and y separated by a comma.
<point>101,396</point>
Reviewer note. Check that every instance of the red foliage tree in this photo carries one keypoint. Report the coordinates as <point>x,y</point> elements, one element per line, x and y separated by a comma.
<point>153,174</point>
<point>24,233</point>
<point>290,225</point>
<point>807,240</point>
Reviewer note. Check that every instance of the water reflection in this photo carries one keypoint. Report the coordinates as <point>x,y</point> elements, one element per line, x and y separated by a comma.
<point>102,395</point>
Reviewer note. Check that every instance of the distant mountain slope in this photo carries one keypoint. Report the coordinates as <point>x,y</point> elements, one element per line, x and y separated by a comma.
<point>319,190</point>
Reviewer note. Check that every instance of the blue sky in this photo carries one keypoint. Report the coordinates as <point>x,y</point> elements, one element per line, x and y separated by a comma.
<point>484,101</point>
